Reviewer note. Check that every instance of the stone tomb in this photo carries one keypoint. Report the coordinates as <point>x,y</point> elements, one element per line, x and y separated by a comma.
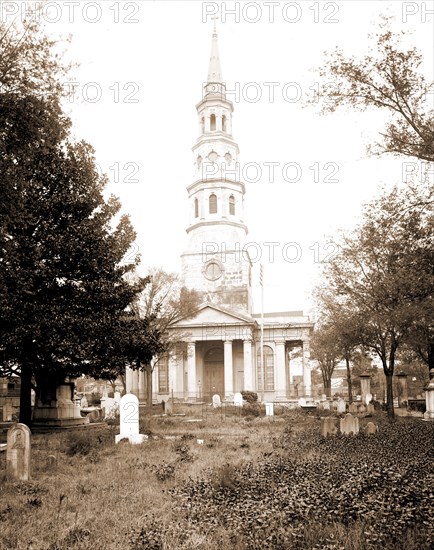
<point>328,426</point>
<point>238,400</point>
<point>349,425</point>
<point>18,453</point>
<point>129,420</point>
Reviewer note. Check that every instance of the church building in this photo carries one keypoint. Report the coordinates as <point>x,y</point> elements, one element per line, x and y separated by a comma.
<point>221,351</point>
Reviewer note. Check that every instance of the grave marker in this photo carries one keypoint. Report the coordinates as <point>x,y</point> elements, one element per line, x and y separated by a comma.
<point>341,406</point>
<point>129,420</point>
<point>328,426</point>
<point>216,401</point>
<point>238,400</point>
<point>18,453</point>
<point>269,409</point>
<point>371,428</point>
<point>349,425</point>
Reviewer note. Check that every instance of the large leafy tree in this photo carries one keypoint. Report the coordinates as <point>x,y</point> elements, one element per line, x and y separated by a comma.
<point>384,273</point>
<point>62,278</point>
<point>388,78</point>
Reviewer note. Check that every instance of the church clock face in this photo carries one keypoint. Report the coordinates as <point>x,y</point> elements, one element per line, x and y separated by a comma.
<point>213,271</point>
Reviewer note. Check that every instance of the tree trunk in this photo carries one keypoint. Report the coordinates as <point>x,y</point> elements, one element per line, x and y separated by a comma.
<point>148,371</point>
<point>389,394</point>
<point>349,381</point>
<point>328,387</point>
<point>26,395</point>
<point>430,356</point>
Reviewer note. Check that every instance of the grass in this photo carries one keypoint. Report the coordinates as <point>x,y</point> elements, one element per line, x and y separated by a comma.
<point>235,490</point>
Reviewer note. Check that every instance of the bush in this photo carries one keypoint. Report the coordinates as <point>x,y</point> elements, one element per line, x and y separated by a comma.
<point>252,410</point>
<point>250,396</point>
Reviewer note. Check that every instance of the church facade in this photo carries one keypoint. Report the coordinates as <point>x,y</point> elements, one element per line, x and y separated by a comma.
<point>226,348</point>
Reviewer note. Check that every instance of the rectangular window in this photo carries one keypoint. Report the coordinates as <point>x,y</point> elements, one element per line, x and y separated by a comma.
<point>163,375</point>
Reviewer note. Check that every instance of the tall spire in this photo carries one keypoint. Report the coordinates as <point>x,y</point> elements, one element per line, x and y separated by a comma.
<point>215,70</point>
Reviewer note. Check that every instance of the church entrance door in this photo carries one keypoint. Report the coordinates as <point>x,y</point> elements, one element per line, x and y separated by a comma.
<point>213,373</point>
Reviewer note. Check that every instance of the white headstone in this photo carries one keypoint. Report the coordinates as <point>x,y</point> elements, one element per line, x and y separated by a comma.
<point>342,407</point>
<point>129,420</point>
<point>326,406</point>
<point>269,409</point>
<point>302,402</point>
<point>368,398</point>
<point>238,400</point>
<point>216,401</point>
<point>18,453</point>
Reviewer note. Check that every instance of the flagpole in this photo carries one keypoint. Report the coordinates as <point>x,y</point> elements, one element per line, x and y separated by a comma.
<point>261,278</point>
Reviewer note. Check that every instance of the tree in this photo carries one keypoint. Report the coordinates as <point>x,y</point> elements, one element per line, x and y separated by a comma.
<point>324,349</point>
<point>387,78</point>
<point>163,302</point>
<point>384,273</point>
<point>62,275</point>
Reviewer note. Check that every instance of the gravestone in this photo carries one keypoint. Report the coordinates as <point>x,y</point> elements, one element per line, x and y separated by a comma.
<point>169,406</point>
<point>269,409</point>
<point>368,398</point>
<point>18,453</point>
<point>370,409</point>
<point>129,420</point>
<point>352,408</point>
<point>371,428</point>
<point>349,425</point>
<point>361,409</point>
<point>238,400</point>
<point>326,406</point>
<point>302,402</point>
<point>365,386</point>
<point>216,401</point>
<point>7,412</point>
<point>341,406</point>
<point>328,426</point>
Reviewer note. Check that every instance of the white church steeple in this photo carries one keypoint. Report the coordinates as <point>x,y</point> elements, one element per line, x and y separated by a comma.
<point>216,261</point>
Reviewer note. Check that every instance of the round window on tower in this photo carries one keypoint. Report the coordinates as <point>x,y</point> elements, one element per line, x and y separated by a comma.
<point>213,270</point>
<point>213,156</point>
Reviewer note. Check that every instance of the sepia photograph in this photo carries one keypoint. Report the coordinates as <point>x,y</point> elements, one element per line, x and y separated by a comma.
<point>216,275</point>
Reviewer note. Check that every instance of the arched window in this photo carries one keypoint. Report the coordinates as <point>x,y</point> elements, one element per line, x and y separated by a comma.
<point>212,123</point>
<point>213,204</point>
<point>269,369</point>
<point>196,208</point>
<point>163,375</point>
<point>232,205</point>
<point>224,123</point>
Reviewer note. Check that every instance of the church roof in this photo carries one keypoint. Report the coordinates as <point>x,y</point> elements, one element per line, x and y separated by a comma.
<point>208,313</point>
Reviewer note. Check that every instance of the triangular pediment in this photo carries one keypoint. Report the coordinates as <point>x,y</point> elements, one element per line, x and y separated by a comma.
<point>210,314</point>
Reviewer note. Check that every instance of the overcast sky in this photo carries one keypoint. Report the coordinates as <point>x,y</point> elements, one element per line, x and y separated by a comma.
<point>142,66</point>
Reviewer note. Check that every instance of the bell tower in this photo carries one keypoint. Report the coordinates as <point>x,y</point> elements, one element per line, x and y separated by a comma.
<point>216,261</point>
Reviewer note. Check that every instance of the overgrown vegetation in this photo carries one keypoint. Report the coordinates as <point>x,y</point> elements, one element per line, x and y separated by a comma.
<point>258,483</point>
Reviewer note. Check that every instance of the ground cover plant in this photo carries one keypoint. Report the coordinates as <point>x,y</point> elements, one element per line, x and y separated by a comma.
<point>227,480</point>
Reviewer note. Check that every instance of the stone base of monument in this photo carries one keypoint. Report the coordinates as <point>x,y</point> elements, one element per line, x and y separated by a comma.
<point>135,439</point>
<point>57,409</point>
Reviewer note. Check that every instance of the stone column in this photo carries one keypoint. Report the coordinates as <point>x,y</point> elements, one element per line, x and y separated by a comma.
<point>429,397</point>
<point>280,373</point>
<point>129,379</point>
<point>142,384</point>
<point>191,370</point>
<point>248,366</point>
<point>229,370</point>
<point>307,381</point>
<point>402,389</point>
<point>365,386</point>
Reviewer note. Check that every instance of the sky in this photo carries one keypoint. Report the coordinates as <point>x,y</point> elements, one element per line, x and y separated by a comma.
<point>141,69</point>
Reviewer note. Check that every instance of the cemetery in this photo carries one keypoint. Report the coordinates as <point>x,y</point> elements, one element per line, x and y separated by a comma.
<point>238,475</point>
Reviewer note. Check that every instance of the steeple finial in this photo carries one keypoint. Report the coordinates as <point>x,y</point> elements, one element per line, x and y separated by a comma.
<point>215,71</point>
